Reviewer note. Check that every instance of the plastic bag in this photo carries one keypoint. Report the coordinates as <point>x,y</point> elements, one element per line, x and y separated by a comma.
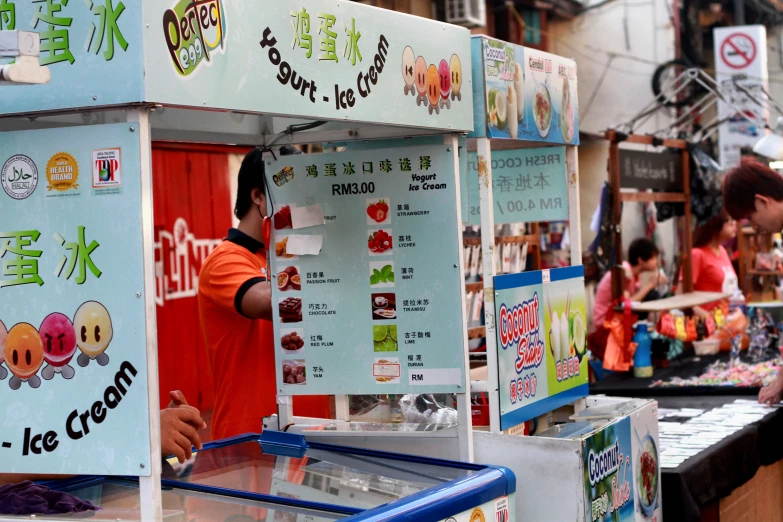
<point>425,413</point>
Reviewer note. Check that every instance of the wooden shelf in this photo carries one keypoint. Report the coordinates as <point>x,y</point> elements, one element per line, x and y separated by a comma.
<point>474,287</point>
<point>765,272</point>
<point>648,140</point>
<point>532,239</point>
<point>653,197</point>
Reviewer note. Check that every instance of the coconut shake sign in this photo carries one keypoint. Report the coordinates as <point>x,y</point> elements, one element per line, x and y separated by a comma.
<point>541,342</point>
<point>527,94</point>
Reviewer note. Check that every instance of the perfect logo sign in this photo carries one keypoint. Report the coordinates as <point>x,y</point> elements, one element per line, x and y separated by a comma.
<point>195,30</point>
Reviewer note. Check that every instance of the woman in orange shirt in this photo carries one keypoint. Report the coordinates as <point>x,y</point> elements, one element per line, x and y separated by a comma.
<point>712,268</point>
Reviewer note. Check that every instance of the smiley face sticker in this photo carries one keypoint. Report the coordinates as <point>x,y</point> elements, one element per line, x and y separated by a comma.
<point>93,329</point>
<point>3,335</point>
<point>24,355</point>
<point>59,340</point>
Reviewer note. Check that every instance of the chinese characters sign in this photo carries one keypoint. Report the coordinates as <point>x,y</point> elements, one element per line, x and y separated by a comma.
<point>528,94</point>
<point>529,185</point>
<point>87,45</point>
<point>542,342</point>
<point>375,302</point>
<point>311,58</point>
<point>72,326</point>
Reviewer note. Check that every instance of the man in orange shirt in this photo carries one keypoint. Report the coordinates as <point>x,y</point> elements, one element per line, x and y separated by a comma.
<point>235,305</point>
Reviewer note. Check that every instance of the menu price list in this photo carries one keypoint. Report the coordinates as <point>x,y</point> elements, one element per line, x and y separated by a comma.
<point>379,308</point>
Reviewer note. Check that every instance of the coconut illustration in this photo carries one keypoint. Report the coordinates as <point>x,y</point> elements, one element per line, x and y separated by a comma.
<point>501,109</point>
<point>577,333</point>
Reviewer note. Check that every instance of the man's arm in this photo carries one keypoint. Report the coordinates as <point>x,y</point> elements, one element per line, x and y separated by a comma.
<point>256,303</point>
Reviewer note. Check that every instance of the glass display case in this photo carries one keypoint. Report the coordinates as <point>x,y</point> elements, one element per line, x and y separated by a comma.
<point>283,477</point>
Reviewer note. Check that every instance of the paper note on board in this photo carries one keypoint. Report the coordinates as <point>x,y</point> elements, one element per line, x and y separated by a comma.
<point>304,245</point>
<point>304,217</point>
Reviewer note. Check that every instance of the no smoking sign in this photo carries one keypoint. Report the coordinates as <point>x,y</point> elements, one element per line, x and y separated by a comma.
<point>738,50</point>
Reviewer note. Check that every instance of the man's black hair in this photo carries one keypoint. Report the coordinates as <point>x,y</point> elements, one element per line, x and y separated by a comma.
<point>641,249</point>
<point>251,175</point>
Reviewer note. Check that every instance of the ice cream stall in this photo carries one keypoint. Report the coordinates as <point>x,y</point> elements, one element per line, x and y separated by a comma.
<point>599,452</point>
<point>367,258</point>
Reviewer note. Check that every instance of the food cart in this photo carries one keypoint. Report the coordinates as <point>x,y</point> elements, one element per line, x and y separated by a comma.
<point>78,310</point>
<point>583,447</point>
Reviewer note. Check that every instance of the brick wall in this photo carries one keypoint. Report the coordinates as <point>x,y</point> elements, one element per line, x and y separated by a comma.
<point>760,499</point>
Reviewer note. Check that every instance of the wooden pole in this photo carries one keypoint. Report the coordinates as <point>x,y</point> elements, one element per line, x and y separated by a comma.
<point>687,257</point>
<point>617,216</point>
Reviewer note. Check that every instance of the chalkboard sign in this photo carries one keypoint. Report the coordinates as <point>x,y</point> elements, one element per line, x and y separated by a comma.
<point>651,170</point>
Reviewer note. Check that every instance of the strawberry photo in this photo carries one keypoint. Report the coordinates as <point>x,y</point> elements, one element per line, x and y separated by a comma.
<point>378,212</point>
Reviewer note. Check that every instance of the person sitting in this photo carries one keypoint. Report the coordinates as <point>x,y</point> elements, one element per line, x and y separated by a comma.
<point>711,266</point>
<point>642,259</point>
<point>179,427</point>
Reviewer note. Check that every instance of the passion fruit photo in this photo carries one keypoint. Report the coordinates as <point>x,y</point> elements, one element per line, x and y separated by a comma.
<point>289,279</point>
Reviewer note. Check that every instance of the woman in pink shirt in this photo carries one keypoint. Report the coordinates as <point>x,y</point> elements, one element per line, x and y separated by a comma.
<point>642,257</point>
<point>712,269</point>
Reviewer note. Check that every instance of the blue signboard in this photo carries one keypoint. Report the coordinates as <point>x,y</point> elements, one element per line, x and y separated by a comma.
<point>529,185</point>
<point>359,291</point>
<point>526,94</point>
<point>94,51</point>
<point>542,342</point>
<point>73,366</point>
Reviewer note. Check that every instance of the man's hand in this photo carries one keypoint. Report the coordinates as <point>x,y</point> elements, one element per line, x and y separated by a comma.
<point>771,394</point>
<point>177,399</point>
<point>179,425</point>
<point>179,431</point>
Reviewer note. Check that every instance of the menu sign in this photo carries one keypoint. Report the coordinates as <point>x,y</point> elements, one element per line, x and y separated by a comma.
<point>73,351</point>
<point>542,342</point>
<point>529,95</point>
<point>622,473</point>
<point>651,170</point>
<point>529,185</point>
<point>366,257</point>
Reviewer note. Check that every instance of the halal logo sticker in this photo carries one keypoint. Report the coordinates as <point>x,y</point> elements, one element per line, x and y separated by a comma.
<point>62,172</point>
<point>19,176</point>
<point>477,516</point>
<point>195,31</point>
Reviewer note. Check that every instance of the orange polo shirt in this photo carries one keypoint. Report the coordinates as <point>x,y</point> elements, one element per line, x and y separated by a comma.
<point>241,350</point>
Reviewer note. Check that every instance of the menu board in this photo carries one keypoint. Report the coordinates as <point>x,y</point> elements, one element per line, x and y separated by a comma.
<point>366,255</point>
<point>529,95</point>
<point>529,185</point>
<point>542,341</point>
<point>651,170</point>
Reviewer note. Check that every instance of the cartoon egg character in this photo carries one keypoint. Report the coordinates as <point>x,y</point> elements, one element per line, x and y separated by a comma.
<point>433,88</point>
<point>408,63</point>
<point>24,355</point>
<point>93,328</point>
<point>3,335</point>
<point>444,76</point>
<point>456,77</point>
<point>59,342</point>
<point>420,72</point>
